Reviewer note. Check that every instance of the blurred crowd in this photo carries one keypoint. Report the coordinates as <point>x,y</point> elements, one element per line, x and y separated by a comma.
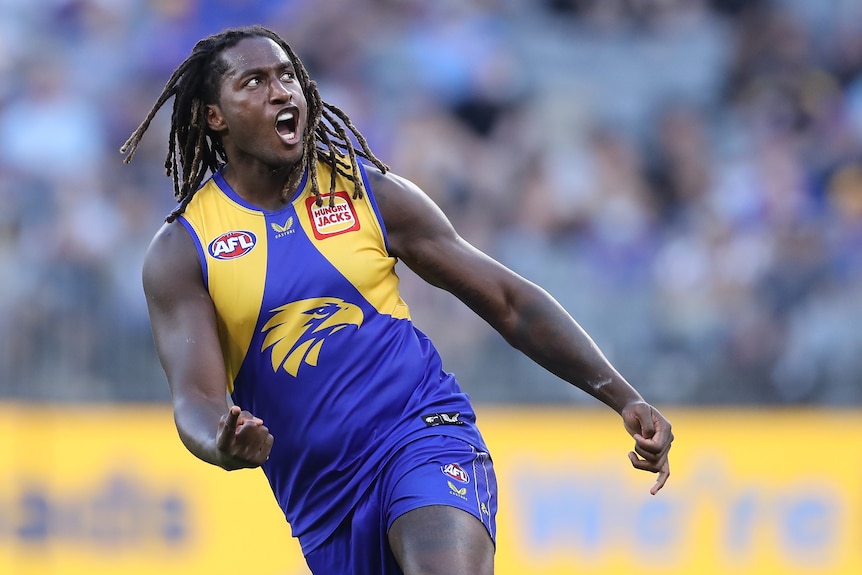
<point>685,176</point>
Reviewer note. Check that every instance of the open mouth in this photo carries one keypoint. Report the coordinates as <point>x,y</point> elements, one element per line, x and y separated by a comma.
<point>285,124</point>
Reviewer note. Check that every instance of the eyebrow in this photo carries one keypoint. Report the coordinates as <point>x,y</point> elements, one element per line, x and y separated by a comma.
<point>237,72</point>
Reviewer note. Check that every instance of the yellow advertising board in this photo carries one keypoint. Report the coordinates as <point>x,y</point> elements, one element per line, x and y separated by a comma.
<point>104,490</point>
<point>107,490</point>
<point>754,492</point>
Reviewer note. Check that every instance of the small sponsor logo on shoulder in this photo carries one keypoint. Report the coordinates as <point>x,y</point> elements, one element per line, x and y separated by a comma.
<point>332,220</point>
<point>232,245</point>
<point>456,472</point>
<point>449,418</point>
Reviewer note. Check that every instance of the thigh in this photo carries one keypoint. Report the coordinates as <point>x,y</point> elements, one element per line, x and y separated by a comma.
<point>440,506</point>
<point>432,510</point>
<point>440,539</point>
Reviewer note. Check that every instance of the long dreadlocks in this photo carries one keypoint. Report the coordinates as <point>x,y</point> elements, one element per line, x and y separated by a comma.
<point>193,150</point>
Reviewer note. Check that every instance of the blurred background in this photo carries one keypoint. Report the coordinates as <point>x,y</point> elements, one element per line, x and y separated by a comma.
<point>685,176</point>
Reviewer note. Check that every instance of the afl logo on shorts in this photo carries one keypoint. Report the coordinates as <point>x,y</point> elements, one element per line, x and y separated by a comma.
<point>232,245</point>
<point>455,471</point>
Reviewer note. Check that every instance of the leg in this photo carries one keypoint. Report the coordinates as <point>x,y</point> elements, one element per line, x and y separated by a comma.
<point>441,540</point>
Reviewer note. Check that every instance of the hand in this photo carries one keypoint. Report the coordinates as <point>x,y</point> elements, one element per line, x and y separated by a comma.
<point>242,440</point>
<point>653,436</point>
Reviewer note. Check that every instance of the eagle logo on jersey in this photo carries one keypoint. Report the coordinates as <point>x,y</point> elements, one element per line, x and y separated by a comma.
<point>297,331</point>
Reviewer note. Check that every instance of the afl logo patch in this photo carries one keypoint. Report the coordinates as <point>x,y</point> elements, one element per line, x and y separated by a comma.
<point>232,245</point>
<point>456,472</point>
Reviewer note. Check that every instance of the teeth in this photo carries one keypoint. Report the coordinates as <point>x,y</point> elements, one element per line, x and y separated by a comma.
<point>284,116</point>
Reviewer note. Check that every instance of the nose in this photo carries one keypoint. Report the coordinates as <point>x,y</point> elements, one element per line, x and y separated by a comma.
<point>278,92</point>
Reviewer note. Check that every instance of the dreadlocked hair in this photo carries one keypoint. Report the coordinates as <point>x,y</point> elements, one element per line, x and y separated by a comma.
<point>193,150</point>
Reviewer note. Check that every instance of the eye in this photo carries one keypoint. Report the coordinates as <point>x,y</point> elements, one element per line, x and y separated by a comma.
<point>288,76</point>
<point>252,82</point>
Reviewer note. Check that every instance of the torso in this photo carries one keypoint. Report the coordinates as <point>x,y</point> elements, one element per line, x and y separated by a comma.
<point>318,342</point>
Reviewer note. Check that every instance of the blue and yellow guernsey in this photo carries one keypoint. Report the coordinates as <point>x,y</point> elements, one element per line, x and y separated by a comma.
<point>318,343</point>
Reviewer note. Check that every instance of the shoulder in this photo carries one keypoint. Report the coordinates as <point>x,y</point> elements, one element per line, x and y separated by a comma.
<point>400,199</point>
<point>170,257</point>
<point>170,237</point>
<point>385,184</point>
<point>409,214</point>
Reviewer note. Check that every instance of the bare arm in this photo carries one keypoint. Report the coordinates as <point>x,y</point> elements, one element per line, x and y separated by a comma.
<point>523,313</point>
<point>184,328</point>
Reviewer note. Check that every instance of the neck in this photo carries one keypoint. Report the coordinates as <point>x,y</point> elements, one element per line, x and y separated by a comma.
<point>261,187</point>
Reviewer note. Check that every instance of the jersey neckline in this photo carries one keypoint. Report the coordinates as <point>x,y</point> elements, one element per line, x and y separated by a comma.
<point>225,187</point>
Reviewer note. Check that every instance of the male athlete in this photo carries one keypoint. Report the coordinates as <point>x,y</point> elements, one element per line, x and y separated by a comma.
<point>277,318</point>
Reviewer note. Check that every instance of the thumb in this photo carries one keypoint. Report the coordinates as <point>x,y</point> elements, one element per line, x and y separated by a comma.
<point>647,423</point>
<point>640,420</point>
<point>232,417</point>
<point>227,427</point>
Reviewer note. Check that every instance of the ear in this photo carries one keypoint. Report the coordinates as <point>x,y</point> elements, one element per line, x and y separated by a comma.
<point>215,120</point>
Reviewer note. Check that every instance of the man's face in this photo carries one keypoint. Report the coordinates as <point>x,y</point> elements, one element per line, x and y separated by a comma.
<point>261,112</point>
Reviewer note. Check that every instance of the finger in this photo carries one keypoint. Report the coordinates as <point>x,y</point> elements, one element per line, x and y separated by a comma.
<point>649,449</point>
<point>256,443</point>
<point>251,438</point>
<point>663,434</point>
<point>662,468</point>
<point>643,464</point>
<point>248,417</point>
<point>232,417</point>
<point>658,443</point>
<point>267,446</point>
<point>662,479</point>
<point>651,463</point>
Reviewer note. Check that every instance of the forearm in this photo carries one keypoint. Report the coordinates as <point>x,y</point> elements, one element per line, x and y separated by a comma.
<point>542,329</point>
<point>198,424</point>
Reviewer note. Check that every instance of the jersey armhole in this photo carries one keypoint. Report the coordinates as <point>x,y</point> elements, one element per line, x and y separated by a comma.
<point>373,201</point>
<point>198,246</point>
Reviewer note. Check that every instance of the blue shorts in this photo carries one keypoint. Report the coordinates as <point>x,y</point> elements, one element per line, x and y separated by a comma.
<point>434,470</point>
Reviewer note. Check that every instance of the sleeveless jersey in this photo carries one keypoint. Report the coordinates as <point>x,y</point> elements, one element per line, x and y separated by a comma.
<point>319,344</point>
